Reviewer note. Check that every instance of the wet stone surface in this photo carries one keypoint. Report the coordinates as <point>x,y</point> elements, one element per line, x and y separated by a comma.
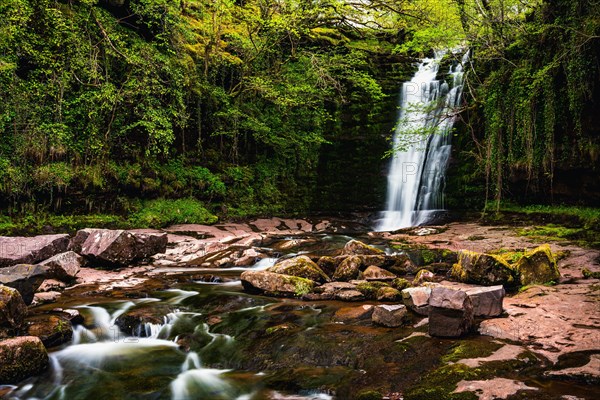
<point>170,329</point>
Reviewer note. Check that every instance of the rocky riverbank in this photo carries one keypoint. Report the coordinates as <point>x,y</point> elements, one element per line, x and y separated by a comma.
<point>531,301</point>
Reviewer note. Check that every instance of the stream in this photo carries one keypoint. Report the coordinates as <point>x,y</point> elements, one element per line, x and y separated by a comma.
<point>208,339</point>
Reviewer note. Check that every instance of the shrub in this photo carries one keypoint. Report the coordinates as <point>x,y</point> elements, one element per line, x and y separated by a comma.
<point>162,212</point>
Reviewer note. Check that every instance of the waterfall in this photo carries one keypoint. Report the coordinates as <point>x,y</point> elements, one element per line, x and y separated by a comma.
<point>422,145</point>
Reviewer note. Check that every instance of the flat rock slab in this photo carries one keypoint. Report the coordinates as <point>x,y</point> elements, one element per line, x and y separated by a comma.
<point>30,250</point>
<point>505,353</point>
<point>498,388</point>
<point>589,371</point>
<point>558,319</point>
<point>349,314</point>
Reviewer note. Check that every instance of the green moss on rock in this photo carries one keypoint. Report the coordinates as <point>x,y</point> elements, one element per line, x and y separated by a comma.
<point>400,284</point>
<point>537,266</point>
<point>302,267</point>
<point>370,289</point>
<point>483,269</point>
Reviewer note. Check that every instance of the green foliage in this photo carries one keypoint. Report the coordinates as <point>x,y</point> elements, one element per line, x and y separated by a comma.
<point>538,68</point>
<point>155,98</point>
<point>37,223</point>
<point>161,213</point>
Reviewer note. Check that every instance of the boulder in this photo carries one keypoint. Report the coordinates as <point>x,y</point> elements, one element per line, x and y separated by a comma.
<point>388,294</point>
<point>482,269</point>
<point>401,264</point>
<point>25,278</point>
<point>487,301</point>
<point>302,267</point>
<point>537,266</point>
<point>52,329</point>
<point>423,276</point>
<point>450,312</point>
<point>349,295</point>
<point>12,311</point>
<point>64,266</point>
<point>400,284</point>
<point>30,250</point>
<point>417,299</point>
<point>369,289</point>
<point>377,260</point>
<point>389,315</point>
<point>22,357</point>
<point>71,314</point>
<point>374,273</point>
<point>349,314</point>
<point>136,321</point>
<point>330,291</point>
<point>148,244</point>
<point>247,258</point>
<point>348,269</point>
<point>355,247</point>
<point>329,264</point>
<point>117,247</point>
<point>52,285</point>
<point>276,284</point>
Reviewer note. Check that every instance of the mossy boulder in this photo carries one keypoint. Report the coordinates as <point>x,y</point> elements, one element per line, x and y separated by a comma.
<point>483,269</point>
<point>424,275</point>
<point>400,284</point>
<point>387,293</point>
<point>348,269</point>
<point>370,289</point>
<point>302,267</point>
<point>537,266</point>
<point>329,264</point>
<point>12,310</point>
<point>52,329</point>
<point>401,264</point>
<point>355,247</point>
<point>22,357</point>
<point>276,284</point>
<point>373,273</point>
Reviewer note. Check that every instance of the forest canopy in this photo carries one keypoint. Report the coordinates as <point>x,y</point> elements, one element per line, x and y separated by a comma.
<point>108,102</point>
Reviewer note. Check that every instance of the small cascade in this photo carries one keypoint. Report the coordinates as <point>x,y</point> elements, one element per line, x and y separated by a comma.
<point>103,347</point>
<point>422,145</point>
<point>195,382</point>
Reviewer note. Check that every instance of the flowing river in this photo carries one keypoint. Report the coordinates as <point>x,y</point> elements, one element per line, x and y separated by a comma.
<point>203,337</point>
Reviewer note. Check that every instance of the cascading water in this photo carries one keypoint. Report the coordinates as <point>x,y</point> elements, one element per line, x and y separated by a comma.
<point>422,145</point>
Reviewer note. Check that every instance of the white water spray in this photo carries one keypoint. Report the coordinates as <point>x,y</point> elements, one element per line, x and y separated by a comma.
<point>417,171</point>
